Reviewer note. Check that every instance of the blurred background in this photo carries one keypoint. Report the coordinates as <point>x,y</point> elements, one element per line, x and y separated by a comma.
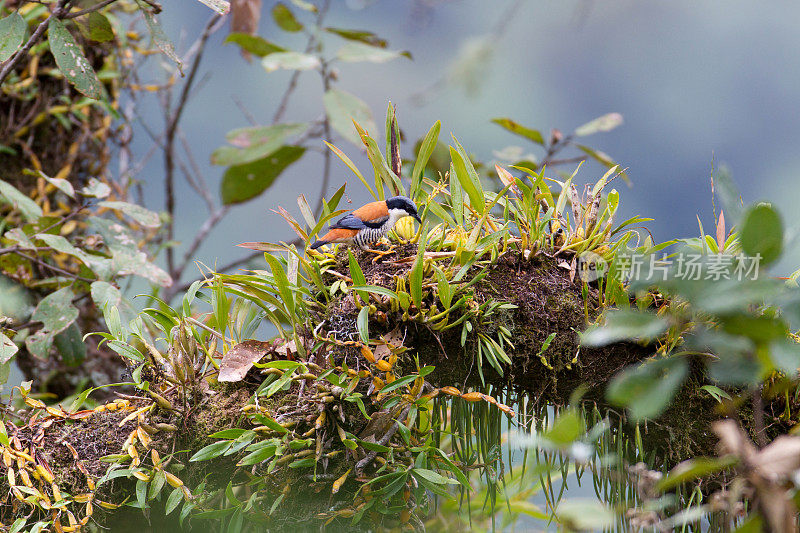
<point>698,84</point>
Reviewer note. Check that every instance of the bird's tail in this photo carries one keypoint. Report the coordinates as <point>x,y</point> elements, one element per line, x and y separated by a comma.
<point>317,244</point>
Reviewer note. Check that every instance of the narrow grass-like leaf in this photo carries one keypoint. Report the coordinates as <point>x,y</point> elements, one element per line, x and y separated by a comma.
<point>460,167</point>
<point>376,290</point>
<point>347,161</point>
<point>417,271</point>
<point>282,281</point>
<point>424,154</point>
<point>357,275</point>
<point>363,324</point>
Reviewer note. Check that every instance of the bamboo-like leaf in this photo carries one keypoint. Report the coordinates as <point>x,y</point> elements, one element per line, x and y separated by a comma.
<point>445,294</point>
<point>424,154</point>
<point>357,275</point>
<point>363,324</point>
<point>519,129</point>
<point>347,161</point>
<point>282,281</point>
<point>467,183</point>
<point>417,271</point>
<point>305,210</point>
<point>456,196</point>
<point>383,291</point>
<point>383,174</point>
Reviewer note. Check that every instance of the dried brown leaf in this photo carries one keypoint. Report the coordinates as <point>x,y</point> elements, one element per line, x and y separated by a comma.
<point>240,359</point>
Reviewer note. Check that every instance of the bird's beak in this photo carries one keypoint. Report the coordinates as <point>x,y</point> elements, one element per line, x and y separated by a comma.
<point>416,216</point>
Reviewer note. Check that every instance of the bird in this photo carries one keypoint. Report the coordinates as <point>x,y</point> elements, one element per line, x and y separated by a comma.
<point>369,223</point>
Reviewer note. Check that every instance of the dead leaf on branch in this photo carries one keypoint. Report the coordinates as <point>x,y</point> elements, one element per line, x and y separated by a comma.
<point>241,358</point>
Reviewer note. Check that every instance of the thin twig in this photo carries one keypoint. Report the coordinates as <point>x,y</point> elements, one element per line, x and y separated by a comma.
<point>171,130</point>
<point>199,238</point>
<point>312,41</point>
<point>54,268</point>
<point>88,10</point>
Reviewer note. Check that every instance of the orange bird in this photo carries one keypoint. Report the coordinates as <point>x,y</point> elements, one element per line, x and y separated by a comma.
<point>369,223</point>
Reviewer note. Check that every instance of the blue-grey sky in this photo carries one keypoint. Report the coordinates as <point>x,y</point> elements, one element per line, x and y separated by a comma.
<point>695,81</point>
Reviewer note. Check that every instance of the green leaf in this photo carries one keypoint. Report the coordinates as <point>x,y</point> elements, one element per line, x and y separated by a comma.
<point>623,325</point>
<point>466,181</point>
<point>258,456</point>
<point>7,349</point>
<point>567,428</point>
<point>693,469</point>
<point>584,515</point>
<point>258,46</point>
<point>647,389</point>
<point>605,123</point>
<point>59,183</point>
<point>56,311</point>
<point>400,382</point>
<point>10,195</point>
<point>433,477</point>
<point>251,144</point>
<point>245,182</point>
<point>70,346</point>
<point>363,324</point>
<point>417,272</point>
<point>158,35</point>
<point>376,290</point>
<point>126,350</point>
<point>12,33</point>
<point>373,447</point>
<point>366,37</point>
<point>212,450</point>
<point>347,161</point>
<point>282,281</point>
<point>143,216</point>
<point>342,109</point>
<point>357,275</point>
<point>290,61</point>
<point>71,61</point>
<point>175,498</point>
<point>760,329</point>
<point>519,129</point>
<point>305,462</point>
<point>98,28</point>
<point>785,356</point>
<point>762,233</point>
<point>424,154</point>
<point>285,19</point>
<point>356,51</point>
<point>456,196</point>
<point>231,433</point>
<point>96,189</point>
<point>104,294</point>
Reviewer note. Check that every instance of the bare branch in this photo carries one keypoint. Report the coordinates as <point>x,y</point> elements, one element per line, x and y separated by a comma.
<point>171,129</point>
<point>96,7</point>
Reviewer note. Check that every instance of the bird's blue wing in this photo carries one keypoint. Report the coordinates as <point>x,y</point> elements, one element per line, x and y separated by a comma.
<point>349,222</point>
